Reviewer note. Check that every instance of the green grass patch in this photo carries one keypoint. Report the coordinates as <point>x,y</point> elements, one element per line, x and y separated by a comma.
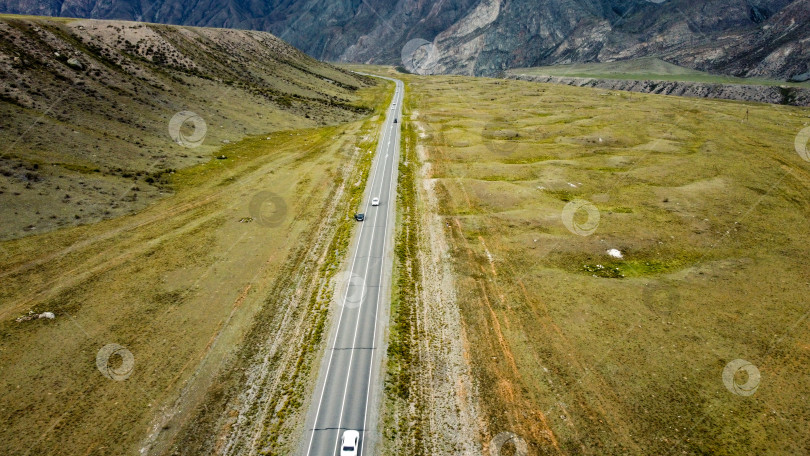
<point>647,68</point>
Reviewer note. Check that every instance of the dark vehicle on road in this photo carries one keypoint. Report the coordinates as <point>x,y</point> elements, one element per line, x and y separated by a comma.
<point>360,217</point>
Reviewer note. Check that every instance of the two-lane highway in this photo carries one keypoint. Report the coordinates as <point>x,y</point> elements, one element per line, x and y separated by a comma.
<point>348,388</point>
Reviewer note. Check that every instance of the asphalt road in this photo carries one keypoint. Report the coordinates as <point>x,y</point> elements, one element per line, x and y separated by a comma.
<point>349,383</point>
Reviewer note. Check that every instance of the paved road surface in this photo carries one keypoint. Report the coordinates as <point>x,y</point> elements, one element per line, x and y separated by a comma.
<point>349,383</point>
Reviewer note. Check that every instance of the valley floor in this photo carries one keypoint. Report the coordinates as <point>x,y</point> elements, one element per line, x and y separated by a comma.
<point>583,271</point>
<point>189,327</point>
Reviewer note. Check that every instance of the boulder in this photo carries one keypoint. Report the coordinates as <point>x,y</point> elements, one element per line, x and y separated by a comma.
<point>800,77</point>
<point>74,63</point>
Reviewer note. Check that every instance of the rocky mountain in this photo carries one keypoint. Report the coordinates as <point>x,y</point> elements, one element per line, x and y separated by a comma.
<point>484,37</point>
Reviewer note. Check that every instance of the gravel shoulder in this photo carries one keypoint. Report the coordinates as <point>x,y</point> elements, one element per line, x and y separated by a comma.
<point>432,404</point>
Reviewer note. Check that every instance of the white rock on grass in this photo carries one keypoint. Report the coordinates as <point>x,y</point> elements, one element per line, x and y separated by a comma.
<point>615,253</point>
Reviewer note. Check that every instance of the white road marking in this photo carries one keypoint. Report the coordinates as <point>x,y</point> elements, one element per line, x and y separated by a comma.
<point>337,331</point>
<point>376,310</point>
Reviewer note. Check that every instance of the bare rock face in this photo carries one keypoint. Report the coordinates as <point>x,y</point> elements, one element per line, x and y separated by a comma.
<point>484,37</point>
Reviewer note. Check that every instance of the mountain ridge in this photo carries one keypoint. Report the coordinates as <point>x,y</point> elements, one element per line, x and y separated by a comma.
<point>764,38</point>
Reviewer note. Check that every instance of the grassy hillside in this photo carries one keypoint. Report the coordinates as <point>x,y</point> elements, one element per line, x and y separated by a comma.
<point>579,349</point>
<point>192,296</point>
<point>647,68</point>
<point>86,110</point>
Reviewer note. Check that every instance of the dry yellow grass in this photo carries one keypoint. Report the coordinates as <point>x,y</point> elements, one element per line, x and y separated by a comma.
<point>578,352</point>
<point>94,140</point>
<point>178,284</point>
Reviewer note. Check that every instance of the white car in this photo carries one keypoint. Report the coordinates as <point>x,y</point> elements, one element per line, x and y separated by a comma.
<point>375,201</point>
<point>348,444</point>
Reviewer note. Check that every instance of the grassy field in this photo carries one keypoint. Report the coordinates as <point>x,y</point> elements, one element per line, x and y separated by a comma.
<point>647,68</point>
<point>194,287</point>
<point>577,351</point>
<point>64,20</point>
